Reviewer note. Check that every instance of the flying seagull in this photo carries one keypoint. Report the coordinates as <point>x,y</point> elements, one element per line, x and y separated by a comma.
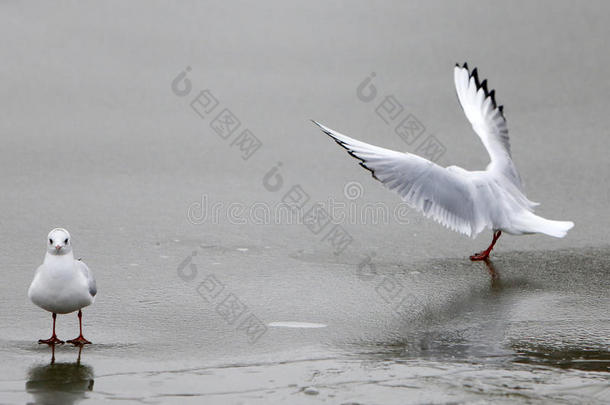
<point>462,200</point>
<point>61,284</point>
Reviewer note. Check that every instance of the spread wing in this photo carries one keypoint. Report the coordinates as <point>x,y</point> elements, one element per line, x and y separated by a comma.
<point>487,120</point>
<point>440,193</point>
<point>87,273</point>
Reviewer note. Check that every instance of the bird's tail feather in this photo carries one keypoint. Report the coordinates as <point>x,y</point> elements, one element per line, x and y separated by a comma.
<point>532,223</point>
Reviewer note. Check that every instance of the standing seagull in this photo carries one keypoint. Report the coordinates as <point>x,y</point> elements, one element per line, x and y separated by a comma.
<point>464,201</point>
<point>61,284</point>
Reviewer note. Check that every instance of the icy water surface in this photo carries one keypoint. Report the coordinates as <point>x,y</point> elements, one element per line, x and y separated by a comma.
<point>537,330</point>
<point>210,292</point>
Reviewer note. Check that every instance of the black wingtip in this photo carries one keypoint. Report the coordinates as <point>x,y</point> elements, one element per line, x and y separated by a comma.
<point>349,151</point>
<point>475,74</point>
<point>363,164</point>
<point>321,127</point>
<point>484,87</point>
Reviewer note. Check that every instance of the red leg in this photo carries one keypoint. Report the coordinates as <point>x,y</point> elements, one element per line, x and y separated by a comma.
<point>80,340</point>
<point>53,339</point>
<point>485,254</point>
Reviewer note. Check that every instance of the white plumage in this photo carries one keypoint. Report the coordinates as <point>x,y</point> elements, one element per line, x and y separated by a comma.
<point>462,200</point>
<point>62,284</point>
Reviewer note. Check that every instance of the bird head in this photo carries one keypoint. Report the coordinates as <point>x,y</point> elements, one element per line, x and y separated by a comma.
<point>59,242</point>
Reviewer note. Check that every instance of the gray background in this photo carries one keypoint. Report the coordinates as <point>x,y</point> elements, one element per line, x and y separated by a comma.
<point>94,140</point>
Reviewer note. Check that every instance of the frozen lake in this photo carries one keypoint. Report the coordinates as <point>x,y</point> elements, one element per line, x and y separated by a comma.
<point>210,290</point>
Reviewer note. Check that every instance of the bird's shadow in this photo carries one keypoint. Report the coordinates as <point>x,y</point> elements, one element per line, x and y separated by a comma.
<point>60,382</point>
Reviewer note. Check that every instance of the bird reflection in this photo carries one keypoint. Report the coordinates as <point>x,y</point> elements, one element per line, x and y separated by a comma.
<point>60,383</point>
<point>495,276</point>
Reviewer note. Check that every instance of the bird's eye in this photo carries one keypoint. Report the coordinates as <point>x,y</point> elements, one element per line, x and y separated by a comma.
<point>50,241</point>
<point>66,241</point>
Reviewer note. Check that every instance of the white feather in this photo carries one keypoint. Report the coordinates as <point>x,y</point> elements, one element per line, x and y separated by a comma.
<point>61,284</point>
<point>464,201</point>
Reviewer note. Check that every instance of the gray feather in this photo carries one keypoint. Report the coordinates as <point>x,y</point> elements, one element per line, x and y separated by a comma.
<point>90,278</point>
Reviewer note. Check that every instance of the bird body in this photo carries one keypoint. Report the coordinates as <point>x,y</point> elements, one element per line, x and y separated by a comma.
<point>61,284</point>
<point>464,201</point>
